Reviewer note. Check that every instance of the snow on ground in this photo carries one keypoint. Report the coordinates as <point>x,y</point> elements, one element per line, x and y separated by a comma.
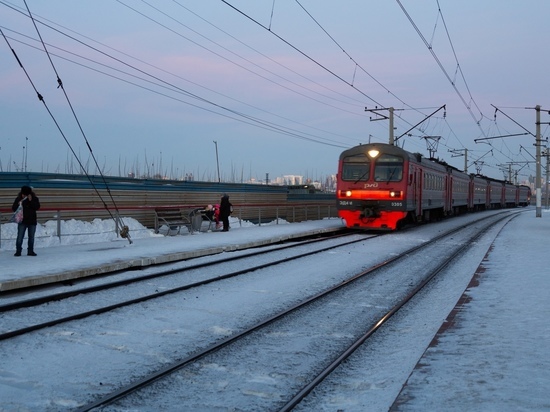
<point>494,357</point>
<point>74,232</point>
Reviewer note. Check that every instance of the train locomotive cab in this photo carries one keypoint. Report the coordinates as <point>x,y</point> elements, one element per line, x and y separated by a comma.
<point>372,186</point>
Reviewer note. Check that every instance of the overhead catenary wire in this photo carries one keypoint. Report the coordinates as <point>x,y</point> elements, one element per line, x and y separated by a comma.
<point>332,38</point>
<point>304,54</point>
<point>440,64</point>
<point>240,116</point>
<point>458,69</point>
<point>188,19</point>
<point>316,139</point>
<point>124,232</point>
<point>323,67</point>
<point>251,120</point>
<point>131,66</point>
<point>264,55</point>
<point>351,84</point>
<point>358,65</point>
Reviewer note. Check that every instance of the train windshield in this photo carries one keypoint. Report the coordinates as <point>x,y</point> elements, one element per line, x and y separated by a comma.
<point>388,168</point>
<point>356,167</point>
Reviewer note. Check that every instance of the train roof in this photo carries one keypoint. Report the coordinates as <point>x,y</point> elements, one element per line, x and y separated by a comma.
<point>386,148</point>
<point>395,150</point>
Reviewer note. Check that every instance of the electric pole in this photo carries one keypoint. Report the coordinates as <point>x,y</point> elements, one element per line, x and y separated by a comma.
<point>217,161</point>
<point>376,110</point>
<point>455,151</point>
<point>546,154</point>
<point>538,144</point>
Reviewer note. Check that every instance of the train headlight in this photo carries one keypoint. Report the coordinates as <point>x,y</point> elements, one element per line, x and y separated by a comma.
<point>373,153</point>
<point>345,193</point>
<point>348,193</point>
<point>395,193</point>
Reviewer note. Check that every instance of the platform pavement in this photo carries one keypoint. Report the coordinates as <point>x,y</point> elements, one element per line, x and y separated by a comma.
<point>62,263</point>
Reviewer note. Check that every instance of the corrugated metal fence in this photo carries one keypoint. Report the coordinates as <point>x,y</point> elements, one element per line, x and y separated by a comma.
<point>86,198</point>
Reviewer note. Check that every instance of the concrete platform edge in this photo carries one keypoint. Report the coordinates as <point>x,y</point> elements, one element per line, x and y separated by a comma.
<point>68,275</point>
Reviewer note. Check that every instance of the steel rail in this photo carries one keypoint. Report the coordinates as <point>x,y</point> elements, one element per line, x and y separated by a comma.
<point>108,308</point>
<point>147,380</point>
<point>64,295</point>
<point>379,323</point>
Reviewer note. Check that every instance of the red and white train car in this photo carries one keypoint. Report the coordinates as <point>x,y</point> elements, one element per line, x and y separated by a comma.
<point>381,186</point>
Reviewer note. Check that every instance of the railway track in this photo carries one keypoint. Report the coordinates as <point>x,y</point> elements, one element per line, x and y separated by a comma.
<point>139,288</point>
<point>276,363</point>
<point>37,295</point>
<point>74,364</point>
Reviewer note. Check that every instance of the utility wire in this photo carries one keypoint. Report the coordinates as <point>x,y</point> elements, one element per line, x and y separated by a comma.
<point>41,98</point>
<point>321,85</point>
<point>187,93</point>
<point>255,122</point>
<point>124,231</point>
<point>459,69</point>
<point>351,84</point>
<point>352,59</point>
<point>436,58</point>
<point>303,53</point>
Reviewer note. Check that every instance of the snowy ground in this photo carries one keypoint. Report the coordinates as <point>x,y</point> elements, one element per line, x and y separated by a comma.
<point>494,357</point>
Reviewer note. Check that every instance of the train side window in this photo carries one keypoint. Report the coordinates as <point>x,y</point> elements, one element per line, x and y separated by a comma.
<point>388,168</point>
<point>356,168</point>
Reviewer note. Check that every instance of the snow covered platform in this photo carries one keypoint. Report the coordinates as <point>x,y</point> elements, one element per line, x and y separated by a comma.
<point>492,353</point>
<point>72,261</point>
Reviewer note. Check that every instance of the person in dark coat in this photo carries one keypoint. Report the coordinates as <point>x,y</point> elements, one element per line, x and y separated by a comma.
<point>225,211</point>
<point>28,199</point>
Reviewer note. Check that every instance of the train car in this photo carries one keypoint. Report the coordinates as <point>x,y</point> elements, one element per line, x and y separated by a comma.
<point>478,199</point>
<point>435,191</point>
<point>495,193</point>
<point>382,186</point>
<point>459,191</point>
<point>373,186</point>
<point>523,195</point>
<point>510,195</point>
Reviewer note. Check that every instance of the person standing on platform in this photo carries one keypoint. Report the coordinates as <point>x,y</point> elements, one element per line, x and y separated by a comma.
<point>30,203</point>
<point>225,211</point>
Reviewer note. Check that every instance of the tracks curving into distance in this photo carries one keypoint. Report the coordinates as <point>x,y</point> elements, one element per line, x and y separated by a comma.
<point>304,343</point>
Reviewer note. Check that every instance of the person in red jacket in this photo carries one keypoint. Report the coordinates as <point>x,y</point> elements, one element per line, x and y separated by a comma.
<point>30,203</point>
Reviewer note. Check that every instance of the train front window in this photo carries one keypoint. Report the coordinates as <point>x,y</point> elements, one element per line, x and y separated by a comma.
<point>356,168</point>
<point>388,168</point>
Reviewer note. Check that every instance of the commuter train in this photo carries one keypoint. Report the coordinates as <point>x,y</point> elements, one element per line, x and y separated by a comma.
<point>381,186</point>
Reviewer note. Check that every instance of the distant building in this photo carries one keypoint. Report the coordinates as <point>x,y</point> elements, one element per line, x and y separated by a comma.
<point>291,180</point>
